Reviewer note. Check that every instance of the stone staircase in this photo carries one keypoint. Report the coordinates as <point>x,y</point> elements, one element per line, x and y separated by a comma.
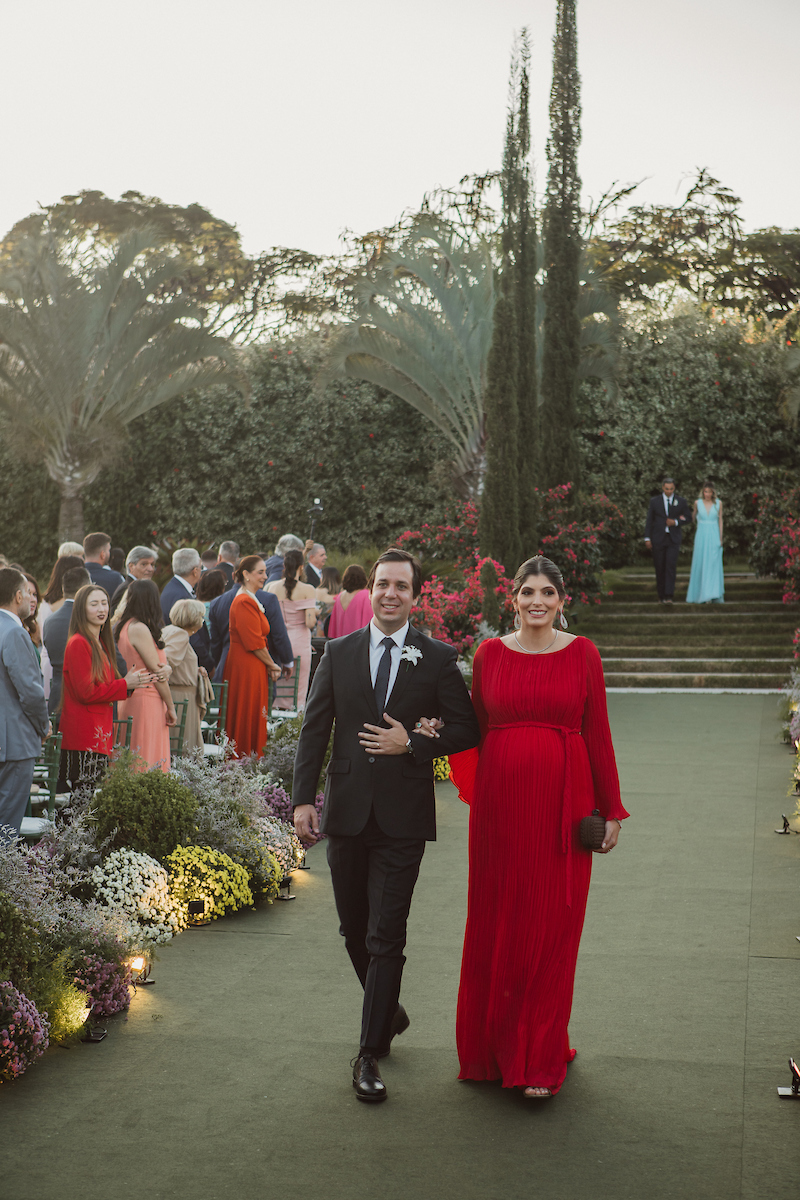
<point>743,645</point>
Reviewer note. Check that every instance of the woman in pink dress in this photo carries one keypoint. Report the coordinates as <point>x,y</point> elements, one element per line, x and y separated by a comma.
<point>298,603</point>
<point>139,639</point>
<point>352,608</point>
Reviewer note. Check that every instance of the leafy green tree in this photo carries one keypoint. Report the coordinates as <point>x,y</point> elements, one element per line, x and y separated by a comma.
<point>422,330</point>
<point>498,525</point>
<point>562,253</point>
<point>82,358</point>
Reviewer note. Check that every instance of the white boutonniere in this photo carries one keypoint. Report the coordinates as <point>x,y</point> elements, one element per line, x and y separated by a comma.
<point>410,654</point>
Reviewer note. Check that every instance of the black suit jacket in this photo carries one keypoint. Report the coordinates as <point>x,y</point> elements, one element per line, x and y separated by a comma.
<point>311,576</point>
<point>227,571</point>
<point>55,635</point>
<point>655,526</point>
<point>398,787</point>
<point>104,577</point>
<point>219,617</point>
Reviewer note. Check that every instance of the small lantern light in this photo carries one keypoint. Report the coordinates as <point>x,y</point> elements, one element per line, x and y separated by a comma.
<point>140,971</point>
<point>197,912</point>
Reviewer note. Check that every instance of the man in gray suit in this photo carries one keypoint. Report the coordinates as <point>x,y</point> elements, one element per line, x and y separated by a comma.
<point>23,709</point>
<point>56,631</point>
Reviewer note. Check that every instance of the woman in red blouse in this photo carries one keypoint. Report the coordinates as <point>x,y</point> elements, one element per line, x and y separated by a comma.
<point>544,762</point>
<point>91,684</point>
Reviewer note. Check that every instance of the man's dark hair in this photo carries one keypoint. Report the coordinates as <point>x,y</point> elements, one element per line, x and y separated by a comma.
<point>73,580</point>
<point>667,479</point>
<point>210,585</point>
<point>209,556</point>
<point>11,582</point>
<point>399,556</point>
<point>93,543</point>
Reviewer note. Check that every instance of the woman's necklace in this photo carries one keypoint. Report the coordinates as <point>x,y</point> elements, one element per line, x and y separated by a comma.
<point>547,647</point>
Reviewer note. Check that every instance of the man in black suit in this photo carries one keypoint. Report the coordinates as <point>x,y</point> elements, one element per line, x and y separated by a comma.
<point>97,551</point>
<point>315,561</point>
<point>139,564</point>
<point>378,684</point>
<point>56,631</point>
<point>278,644</point>
<point>186,571</point>
<point>667,515</point>
<point>228,558</point>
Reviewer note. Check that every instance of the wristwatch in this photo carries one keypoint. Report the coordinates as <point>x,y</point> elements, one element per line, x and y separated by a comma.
<point>409,747</point>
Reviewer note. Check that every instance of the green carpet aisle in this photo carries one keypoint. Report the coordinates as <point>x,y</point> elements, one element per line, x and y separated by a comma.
<point>230,1079</point>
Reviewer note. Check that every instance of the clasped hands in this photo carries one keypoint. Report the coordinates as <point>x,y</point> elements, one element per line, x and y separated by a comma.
<point>377,740</point>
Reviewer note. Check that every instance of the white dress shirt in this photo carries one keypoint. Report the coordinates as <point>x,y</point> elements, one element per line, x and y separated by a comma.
<point>186,584</point>
<point>376,651</point>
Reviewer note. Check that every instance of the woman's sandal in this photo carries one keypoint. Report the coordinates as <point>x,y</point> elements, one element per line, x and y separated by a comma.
<point>537,1093</point>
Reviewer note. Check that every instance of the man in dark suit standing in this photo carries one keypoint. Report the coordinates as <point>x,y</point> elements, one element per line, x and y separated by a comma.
<point>186,571</point>
<point>97,551</point>
<point>378,684</point>
<point>667,515</point>
<point>228,558</point>
<point>56,631</point>
<point>139,564</point>
<point>315,561</point>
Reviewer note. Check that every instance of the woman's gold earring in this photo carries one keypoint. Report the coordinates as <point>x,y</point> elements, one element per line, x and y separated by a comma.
<point>517,620</point>
<point>563,620</point>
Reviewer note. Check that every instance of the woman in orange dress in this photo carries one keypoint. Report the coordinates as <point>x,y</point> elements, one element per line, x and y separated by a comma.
<point>138,633</point>
<point>249,665</point>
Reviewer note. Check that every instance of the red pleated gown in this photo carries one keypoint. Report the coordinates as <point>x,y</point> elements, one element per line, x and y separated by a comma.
<point>544,762</point>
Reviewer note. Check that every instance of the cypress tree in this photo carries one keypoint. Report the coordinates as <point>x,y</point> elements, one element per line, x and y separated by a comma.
<point>507,522</point>
<point>562,248</point>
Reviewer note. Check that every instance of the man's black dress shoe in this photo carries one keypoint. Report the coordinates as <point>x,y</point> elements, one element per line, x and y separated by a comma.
<point>400,1023</point>
<point>367,1079</point>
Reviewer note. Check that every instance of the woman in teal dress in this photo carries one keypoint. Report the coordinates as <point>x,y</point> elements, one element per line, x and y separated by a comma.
<point>707,581</point>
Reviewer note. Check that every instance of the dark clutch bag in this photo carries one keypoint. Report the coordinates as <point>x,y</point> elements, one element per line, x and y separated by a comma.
<point>593,831</point>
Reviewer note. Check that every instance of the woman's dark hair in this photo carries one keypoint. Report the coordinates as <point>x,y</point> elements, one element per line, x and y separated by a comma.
<point>30,623</point>
<point>116,560</point>
<point>539,565</point>
<point>292,561</point>
<point>211,584</point>
<point>55,586</point>
<point>248,563</point>
<point>103,655</point>
<point>331,580</point>
<point>399,556</point>
<point>143,603</point>
<point>708,484</point>
<point>354,579</point>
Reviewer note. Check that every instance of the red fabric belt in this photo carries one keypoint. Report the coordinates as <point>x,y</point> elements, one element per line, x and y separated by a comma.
<point>568,737</point>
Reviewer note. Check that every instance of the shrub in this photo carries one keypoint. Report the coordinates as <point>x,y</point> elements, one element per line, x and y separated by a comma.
<point>107,984</point>
<point>138,885</point>
<point>200,873</point>
<point>58,998</point>
<point>23,1033</point>
<point>441,769</point>
<point>146,811</point>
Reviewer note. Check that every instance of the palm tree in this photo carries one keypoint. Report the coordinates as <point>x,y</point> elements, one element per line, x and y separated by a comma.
<point>422,330</point>
<point>83,356</point>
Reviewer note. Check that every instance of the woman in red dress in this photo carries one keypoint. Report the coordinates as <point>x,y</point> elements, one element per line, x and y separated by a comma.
<point>249,665</point>
<point>544,762</point>
<point>91,684</point>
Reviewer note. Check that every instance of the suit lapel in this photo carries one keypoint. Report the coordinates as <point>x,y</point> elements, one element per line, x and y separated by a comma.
<point>404,670</point>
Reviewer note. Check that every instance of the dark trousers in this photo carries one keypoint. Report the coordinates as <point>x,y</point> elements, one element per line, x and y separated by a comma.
<point>665,561</point>
<point>373,881</point>
<point>16,777</point>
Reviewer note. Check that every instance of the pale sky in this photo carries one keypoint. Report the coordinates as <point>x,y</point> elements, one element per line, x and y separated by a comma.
<point>297,120</point>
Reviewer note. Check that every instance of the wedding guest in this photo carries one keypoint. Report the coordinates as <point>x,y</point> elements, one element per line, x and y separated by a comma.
<point>71,548</point>
<point>274,563</point>
<point>97,551</point>
<point>328,590</point>
<point>209,560</point>
<point>186,571</point>
<point>29,621</point>
<point>153,711</point>
<point>249,666</point>
<point>228,558</point>
<point>187,678</point>
<point>52,601</point>
<point>352,608</point>
<point>91,684</point>
<point>316,556</point>
<point>707,578</point>
<point>55,634</point>
<point>278,643</point>
<point>298,603</point>
<point>23,710</point>
<point>667,515</point>
<point>140,564</point>
<point>116,559</point>
<point>545,760</point>
<point>210,585</point>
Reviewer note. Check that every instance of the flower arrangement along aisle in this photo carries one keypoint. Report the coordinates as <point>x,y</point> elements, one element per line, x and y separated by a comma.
<point>138,885</point>
<point>199,873</point>
<point>23,1033</point>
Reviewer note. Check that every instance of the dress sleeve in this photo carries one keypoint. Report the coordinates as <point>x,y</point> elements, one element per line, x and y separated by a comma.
<point>464,766</point>
<point>597,737</point>
<point>78,667</point>
<point>249,622</point>
<point>336,617</point>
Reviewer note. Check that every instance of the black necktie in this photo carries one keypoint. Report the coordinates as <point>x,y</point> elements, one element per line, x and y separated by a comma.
<point>382,676</point>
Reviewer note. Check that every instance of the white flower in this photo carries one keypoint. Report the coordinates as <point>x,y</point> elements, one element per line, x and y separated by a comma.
<point>411,654</point>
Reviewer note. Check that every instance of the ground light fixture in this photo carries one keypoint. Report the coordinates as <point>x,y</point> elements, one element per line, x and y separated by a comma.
<point>140,972</point>
<point>93,1033</point>
<point>197,914</point>
<point>286,882</point>
<point>793,1092</point>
